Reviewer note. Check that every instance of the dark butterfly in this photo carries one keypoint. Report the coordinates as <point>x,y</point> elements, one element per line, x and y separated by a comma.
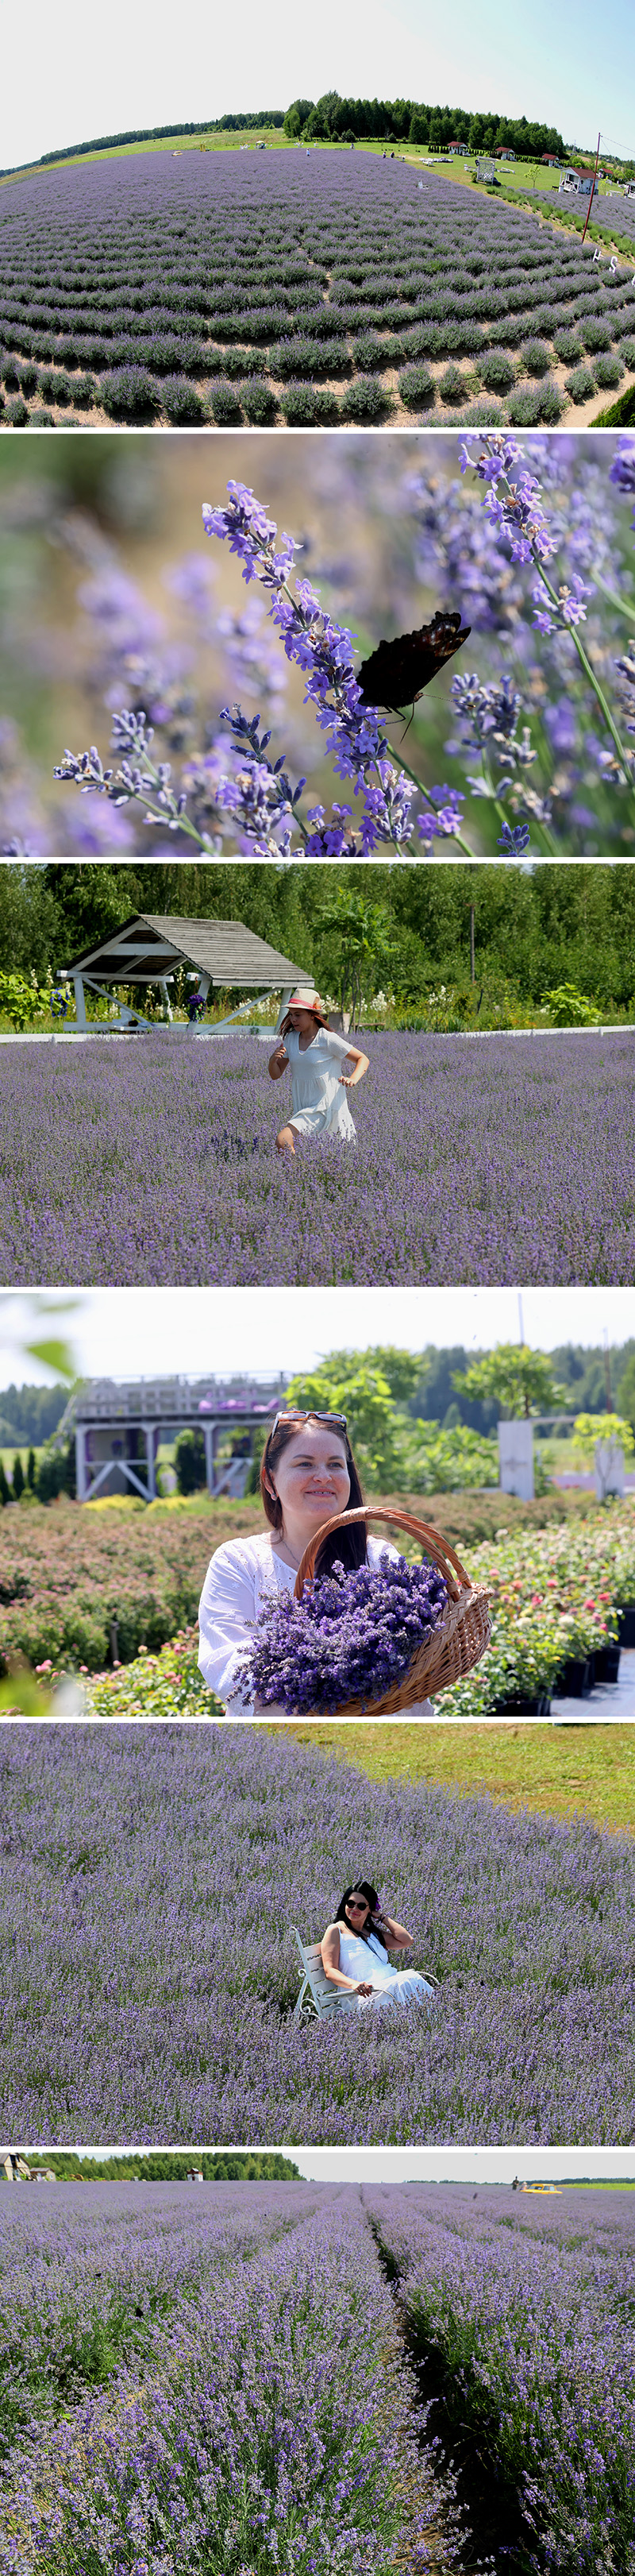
<point>395,675</point>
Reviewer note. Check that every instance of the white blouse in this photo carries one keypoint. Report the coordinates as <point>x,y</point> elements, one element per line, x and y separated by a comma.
<point>237,1582</point>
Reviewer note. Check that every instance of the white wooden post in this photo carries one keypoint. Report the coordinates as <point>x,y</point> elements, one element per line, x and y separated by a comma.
<point>80,1462</point>
<point>80,1001</point>
<point>165,998</point>
<point>149,1441</point>
<point>209,1429</point>
<point>516,1458</point>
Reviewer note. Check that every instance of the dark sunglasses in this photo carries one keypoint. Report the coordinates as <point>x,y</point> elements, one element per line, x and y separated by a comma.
<point>310,1416</point>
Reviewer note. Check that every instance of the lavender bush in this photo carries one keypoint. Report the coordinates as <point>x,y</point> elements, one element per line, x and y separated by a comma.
<point>526,2314</point>
<point>149,1877</point>
<point>271,2427</point>
<point>152,1160</point>
<point>272,253</point>
<point>352,1636</point>
<point>236,784</point>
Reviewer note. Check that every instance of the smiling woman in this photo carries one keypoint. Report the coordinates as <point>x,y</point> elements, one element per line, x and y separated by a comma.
<point>308,1474</point>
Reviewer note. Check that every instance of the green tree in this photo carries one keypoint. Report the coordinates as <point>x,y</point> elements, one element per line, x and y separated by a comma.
<point>357,947</point>
<point>588,1428</point>
<point>5,1496</point>
<point>30,1471</point>
<point>346,1384</point>
<point>189,1461</point>
<point>520,1380</point>
<point>419,122</point>
<point>18,1477</point>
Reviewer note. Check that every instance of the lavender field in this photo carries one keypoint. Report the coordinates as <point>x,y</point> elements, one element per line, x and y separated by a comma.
<point>316,286</point>
<point>186,2388</point>
<point>149,1881</point>
<point>124,1161</point>
<point>520,2319</point>
<point>296,2377</point>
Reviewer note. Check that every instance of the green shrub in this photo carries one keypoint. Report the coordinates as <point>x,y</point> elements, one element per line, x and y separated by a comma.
<point>536,357</point>
<point>85,392</point>
<point>180,399</point>
<point>416,388</point>
<point>551,401</point>
<point>581,385</point>
<point>259,402</point>
<point>365,400</point>
<point>452,384</point>
<point>189,1461</point>
<point>222,402</point>
<point>568,347</point>
<point>56,386</point>
<point>609,369</point>
<point>308,406</point>
<point>596,334</point>
<point>41,420</point>
<point>28,379</point>
<point>523,409</point>
<point>129,394</point>
<point>627,353</point>
<point>16,414</point>
<point>497,371</point>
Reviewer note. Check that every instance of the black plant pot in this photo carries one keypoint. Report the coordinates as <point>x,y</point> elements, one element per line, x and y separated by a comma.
<point>607,1664</point>
<point>576,1678</point>
<point>626,1625</point>
<point>539,1706</point>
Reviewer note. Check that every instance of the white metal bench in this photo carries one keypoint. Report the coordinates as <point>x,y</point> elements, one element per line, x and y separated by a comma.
<point>317,1993</point>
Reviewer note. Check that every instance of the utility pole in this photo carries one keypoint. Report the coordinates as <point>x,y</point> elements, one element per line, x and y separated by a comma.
<point>472,963</point>
<point>595,173</point>
<point>607,1372</point>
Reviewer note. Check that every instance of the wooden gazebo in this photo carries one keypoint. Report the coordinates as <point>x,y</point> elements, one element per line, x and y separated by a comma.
<point>151,947</point>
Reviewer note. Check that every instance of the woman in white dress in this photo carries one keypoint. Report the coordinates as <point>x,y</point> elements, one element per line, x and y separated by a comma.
<point>357,1947</point>
<point>307,1474</point>
<point>323,1068</point>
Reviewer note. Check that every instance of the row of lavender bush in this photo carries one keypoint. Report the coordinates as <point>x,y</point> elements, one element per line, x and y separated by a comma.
<point>293,263</point>
<point>269,2427</point>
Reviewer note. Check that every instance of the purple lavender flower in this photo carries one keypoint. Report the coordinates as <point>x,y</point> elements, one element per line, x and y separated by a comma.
<point>352,1636</point>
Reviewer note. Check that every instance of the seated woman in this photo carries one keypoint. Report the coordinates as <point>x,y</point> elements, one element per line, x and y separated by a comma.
<point>356,1952</point>
<point>308,1473</point>
<point>324,1067</point>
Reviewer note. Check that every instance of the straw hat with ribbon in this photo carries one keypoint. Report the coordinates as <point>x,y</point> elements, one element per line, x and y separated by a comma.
<point>305,999</point>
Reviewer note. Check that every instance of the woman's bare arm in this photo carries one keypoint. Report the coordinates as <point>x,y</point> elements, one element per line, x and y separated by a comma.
<point>330,1952</point>
<point>360,1067</point>
<point>278,1061</point>
<point>396,1935</point>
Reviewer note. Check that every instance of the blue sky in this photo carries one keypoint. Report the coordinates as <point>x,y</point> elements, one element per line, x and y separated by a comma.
<point>66,77</point>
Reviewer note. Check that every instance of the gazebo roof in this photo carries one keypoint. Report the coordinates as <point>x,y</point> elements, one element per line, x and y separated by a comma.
<point>151,945</point>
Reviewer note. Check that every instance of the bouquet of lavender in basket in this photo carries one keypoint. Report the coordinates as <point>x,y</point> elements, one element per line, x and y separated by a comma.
<point>352,1636</point>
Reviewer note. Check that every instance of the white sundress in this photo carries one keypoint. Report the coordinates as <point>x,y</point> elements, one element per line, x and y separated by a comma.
<point>319,1104</point>
<point>390,1985</point>
<point>237,1582</point>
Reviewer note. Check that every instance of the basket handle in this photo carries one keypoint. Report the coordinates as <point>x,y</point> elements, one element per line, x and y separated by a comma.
<point>433,1545</point>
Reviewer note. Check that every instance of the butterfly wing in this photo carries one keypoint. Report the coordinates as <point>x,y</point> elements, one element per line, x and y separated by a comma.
<point>396,674</point>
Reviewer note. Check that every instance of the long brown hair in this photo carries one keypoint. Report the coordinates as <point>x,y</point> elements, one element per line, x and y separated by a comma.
<point>349,1545</point>
<point>320,1021</point>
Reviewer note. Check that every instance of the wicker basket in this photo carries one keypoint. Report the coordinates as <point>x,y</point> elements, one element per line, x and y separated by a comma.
<point>453,1648</point>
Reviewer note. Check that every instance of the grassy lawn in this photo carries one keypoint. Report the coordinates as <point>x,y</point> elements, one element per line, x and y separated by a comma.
<point>583,1770</point>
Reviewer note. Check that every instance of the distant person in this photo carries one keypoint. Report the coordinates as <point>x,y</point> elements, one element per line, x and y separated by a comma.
<point>356,1952</point>
<point>324,1067</point>
<point>308,1474</point>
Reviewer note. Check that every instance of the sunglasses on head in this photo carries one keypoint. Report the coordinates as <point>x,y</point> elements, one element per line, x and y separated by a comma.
<point>310,1416</point>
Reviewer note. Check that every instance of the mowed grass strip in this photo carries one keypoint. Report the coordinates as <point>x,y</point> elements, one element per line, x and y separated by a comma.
<point>580,1770</point>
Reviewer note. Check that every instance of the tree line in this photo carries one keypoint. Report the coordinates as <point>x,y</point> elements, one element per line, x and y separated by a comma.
<point>532,930</point>
<point>226,2167</point>
<point>407,120</point>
